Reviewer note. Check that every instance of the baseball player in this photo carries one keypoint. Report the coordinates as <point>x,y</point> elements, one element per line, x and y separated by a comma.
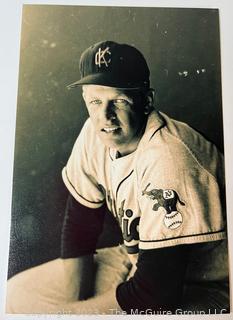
<point>161,180</point>
<point>164,184</point>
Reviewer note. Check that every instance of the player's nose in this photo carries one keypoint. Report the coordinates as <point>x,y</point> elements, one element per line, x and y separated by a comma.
<point>109,111</point>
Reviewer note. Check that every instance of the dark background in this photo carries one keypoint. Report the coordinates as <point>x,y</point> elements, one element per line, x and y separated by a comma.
<point>182,50</point>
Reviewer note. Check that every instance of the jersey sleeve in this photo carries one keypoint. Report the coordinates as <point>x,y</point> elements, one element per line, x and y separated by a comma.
<point>180,201</point>
<point>80,173</point>
<point>157,284</point>
<point>81,229</point>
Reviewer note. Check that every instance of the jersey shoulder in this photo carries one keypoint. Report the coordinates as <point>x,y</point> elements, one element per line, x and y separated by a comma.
<point>176,145</point>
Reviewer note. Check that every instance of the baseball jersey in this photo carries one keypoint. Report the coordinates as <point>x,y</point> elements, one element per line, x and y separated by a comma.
<point>169,191</point>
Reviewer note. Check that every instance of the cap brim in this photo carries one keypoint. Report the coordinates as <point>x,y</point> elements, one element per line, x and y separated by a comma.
<point>105,80</point>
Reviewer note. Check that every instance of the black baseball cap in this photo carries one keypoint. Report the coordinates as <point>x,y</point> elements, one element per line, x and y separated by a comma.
<point>112,64</point>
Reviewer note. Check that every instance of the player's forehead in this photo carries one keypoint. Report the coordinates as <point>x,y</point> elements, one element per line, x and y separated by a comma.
<point>108,92</point>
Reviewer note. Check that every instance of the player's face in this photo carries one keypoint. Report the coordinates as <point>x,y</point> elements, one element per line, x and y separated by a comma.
<point>118,116</point>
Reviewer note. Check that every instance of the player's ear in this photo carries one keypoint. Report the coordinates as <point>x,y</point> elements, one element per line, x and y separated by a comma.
<point>83,93</point>
<point>149,101</point>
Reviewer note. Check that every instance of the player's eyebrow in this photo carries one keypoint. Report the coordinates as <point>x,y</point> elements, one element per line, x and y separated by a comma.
<point>123,95</point>
<point>118,96</point>
<point>94,98</point>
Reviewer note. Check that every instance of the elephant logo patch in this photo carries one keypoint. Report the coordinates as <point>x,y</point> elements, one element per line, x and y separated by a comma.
<point>168,200</point>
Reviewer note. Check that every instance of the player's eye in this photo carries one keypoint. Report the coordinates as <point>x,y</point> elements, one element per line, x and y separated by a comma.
<point>120,103</point>
<point>95,102</point>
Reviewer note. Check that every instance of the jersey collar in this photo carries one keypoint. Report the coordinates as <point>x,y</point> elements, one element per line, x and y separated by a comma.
<point>154,123</point>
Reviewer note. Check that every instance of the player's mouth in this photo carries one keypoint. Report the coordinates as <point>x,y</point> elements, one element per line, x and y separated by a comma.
<point>111,129</point>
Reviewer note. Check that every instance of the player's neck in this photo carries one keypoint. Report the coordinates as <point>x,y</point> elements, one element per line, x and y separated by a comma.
<point>129,148</point>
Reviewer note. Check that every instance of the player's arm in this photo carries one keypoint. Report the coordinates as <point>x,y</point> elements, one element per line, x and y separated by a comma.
<point>105,303</point>
<point>156,285</point>
<point>81,229</point>
<point>158,281</point>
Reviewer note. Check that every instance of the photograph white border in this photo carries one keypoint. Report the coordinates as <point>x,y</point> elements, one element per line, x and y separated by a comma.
<point>10,28</point>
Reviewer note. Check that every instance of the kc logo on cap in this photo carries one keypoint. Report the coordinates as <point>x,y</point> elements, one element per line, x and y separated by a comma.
<point>100,57</point>
<point>108,63</point>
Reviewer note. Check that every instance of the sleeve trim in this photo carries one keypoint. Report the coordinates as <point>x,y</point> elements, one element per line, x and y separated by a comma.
<point>132,249</point>
<point>76,195</point>
<point>153,244</point>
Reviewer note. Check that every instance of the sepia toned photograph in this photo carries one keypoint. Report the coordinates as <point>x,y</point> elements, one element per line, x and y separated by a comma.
<point>119,200</point>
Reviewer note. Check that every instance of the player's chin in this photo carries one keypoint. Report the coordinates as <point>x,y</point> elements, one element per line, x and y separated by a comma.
<point>111,135</point>
<point>111,140</point>
<point>111,143</point>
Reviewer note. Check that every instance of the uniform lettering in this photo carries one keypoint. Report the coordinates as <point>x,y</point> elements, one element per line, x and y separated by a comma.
<point>130,231</point>
<point>121,211</point>
<point>129,228</point>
